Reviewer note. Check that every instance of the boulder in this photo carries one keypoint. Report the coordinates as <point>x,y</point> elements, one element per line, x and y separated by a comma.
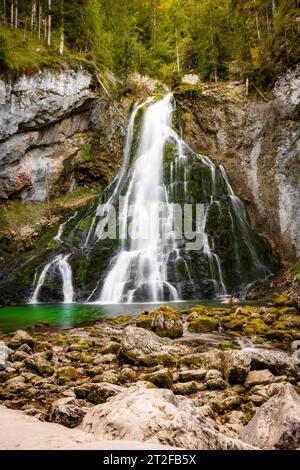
<point>39,365</point>
<point>4,353</point>
<point>16,384</point>
<point>158,416</point>
<point>202,324</point>
<point>140,346</point>
<point>278,362</point>
<point>112,347</point>
<point>25,348</point>
<point>186,375</point>
<point>162,378</point>
<point>236,365</point>
<point>21,337</point>
<point>97,392</point>
<point>165,322</point>
<point>187,388</point>
<point>221,401</point>
<point>213,374</point>
<point>109,376</point>
<point>211,359</point>
<point>276,424</point>
<point>259,377</point>
<point>66,411</point>
<point>19,356</point>
<point>105,359</point>
<point>66,374</point>
<point>127,376</point>
<point>214,380</point>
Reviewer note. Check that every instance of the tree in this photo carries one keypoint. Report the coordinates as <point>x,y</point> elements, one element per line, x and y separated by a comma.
<point>62,33</point>
<point>33,14</point>
<point>49,35</point>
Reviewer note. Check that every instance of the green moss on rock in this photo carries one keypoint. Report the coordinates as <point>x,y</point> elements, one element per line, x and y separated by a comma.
<point>202,324</point>
<point>164,321</point>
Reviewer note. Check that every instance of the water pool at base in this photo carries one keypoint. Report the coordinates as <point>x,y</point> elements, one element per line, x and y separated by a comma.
<point>69,315</point>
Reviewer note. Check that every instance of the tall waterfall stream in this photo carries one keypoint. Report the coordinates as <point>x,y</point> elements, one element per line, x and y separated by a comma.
<point>159,170</point>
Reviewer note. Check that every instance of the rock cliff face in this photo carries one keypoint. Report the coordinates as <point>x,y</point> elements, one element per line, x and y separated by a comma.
<point>45,120</point>
<point>258,143</point>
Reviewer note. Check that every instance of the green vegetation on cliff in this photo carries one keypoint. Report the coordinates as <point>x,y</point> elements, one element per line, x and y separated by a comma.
<point>217,39</point>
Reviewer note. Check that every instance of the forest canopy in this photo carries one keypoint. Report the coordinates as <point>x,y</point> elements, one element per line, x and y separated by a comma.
<point>216,39</point>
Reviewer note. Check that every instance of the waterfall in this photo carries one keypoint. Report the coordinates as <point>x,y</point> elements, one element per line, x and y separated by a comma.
<point>241,215</point>
<point>148,261</point>
<point>140,269</point>
<point>58,236</point>
<point>60,262</point>
<point>120,176</point>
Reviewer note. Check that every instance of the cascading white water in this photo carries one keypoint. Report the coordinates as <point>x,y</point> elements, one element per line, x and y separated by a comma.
<point>60,262</point>
<point>240,213</point>
<point>57,237</point>
<point>119,178</point>
<point>142,266</point>
<point>158,170</point>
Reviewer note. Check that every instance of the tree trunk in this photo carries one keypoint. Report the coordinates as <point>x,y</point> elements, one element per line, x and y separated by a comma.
<point>33,15</point>
<point>25,30</point>
<point>62,33</point>
<point>49,23</point>
<point>177,52</point>
<point>268,21</point>
<point>257,25</point>
<point>154,23</point>
<point>16,13</point>
<point>273,7</point>
<point>4,10</point>
<point>247,86</point>
<point>12,10</point>
<point>40,20</point>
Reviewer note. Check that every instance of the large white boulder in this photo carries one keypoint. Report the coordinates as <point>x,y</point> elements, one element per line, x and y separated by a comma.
<point>276,424</point>
<point>158,416</point>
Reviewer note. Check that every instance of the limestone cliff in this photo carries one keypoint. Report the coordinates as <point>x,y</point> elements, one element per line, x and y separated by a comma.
<point>258,143</point>
<point>46,119</point>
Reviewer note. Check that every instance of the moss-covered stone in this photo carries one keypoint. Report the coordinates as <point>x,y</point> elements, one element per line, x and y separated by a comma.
<point>185,388</point>
<point>112,347</point>
<point>202,324</point>
<point>119,320</point>
<point>164,321</point>
<point>39,365</point>
<point>66,374</point>
<point>234,324</point>
<point>144,320</point>
<point>282,301</point>
<point>280,335</point>
<point>161,378</point>
<point>127,376</point>
<point>190,375</point>
<point>255,327</point>
<point>228,345</point>
<point>83,345</point>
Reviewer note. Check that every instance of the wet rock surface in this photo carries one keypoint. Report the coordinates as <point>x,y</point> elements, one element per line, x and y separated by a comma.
<point>253,139</point>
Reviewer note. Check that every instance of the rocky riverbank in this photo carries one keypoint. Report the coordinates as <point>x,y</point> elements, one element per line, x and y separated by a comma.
<point>158,379</point>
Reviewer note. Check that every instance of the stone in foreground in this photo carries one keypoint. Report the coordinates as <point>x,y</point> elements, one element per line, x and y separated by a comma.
<point>66,411</point>
<point>276,425</point>
<point>140,346</point>
<point>158,416</point>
